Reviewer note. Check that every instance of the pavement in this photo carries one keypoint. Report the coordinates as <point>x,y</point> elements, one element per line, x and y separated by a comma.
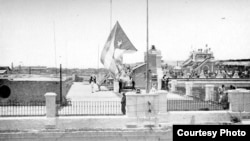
<point>80,91</point>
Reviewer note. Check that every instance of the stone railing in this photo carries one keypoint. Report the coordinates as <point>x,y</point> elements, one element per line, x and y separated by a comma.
<point>239,99</point>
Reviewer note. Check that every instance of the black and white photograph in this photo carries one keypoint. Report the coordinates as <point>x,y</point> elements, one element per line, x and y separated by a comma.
<point>115,70</point>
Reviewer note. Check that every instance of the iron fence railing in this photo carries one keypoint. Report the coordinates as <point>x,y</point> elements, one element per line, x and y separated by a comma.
<point>192,105</point>
<point>16,109</point>
<point>196,102</point>
<point>100,108</point>
<point>90,108</point>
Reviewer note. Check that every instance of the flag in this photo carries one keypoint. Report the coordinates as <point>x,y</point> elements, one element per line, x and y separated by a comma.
<point>117,44</point>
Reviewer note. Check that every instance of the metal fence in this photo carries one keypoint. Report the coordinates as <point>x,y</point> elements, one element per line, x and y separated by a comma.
<point>15,109</point>
<point>188,103</point>
<point>192,105</point>
<point>90,108</point>
<point>101,108</point>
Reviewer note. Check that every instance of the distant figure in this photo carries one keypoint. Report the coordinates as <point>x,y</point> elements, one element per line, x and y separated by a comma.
<point>123,103</point>
<point>153,89</point>
<point>96,87</point>
<point>138,91</point>
<point>221,91</point>
<point>133,84</point>
<point>232,87</point>
<point>92,81</point>
<point>164,82</point>
<point>120,85</point>
<point>167,81</point>
<point>224,101</point>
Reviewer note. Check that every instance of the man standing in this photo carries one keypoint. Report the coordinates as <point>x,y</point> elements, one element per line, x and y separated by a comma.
<point>120,85</point>
<point>221,91</point>
<point>166,83</point>
<point>224,101</point>
<point>133,84</point>
<point>123,103</point>
<point>92,81</point>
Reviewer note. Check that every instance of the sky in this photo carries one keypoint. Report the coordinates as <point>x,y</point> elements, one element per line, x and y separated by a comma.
<point>73,32</point>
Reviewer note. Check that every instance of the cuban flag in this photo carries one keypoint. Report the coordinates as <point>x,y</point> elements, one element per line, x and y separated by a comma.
<point>117,44</point>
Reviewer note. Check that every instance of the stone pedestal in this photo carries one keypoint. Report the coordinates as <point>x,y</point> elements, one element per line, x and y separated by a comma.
<point>236,75</point>
<point>219,75</point>
<point>210,93</point>
<point>50,105</point>
<point>239,100</point>
<point>186,75</point>
<point>189,87</point>
<point>146,105</point>
<point>173,85</point>
<point>202,75</point>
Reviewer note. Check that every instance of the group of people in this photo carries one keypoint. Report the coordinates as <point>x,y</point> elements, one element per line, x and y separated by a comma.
<point>165,82</point>
<point>126,82</point>
<point>93,84</point>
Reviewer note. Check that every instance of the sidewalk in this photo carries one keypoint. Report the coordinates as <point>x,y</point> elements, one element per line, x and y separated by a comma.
<point>80,91</point>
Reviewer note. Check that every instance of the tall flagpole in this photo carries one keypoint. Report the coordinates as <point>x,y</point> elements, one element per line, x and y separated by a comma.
<point>110,15</point>
<point>55,44</point>
<point>147,75</point>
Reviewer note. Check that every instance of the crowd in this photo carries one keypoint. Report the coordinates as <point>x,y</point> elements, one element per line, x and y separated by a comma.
<point>225,73</point>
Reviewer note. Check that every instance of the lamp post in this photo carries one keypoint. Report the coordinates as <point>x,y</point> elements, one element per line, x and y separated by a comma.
<point>60,98</point>
<point>147,75</point>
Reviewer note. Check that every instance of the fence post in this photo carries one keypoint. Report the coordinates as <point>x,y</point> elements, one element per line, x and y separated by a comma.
<point>210,94</point>
<point>189,86</point>
<point>50,104</point>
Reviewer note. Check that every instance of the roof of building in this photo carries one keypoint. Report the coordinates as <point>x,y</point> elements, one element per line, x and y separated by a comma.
<point>237,62</point>
<point>138,66</point>
<point>5,68</point>
<point>2,71</point>
<point>234,63</point>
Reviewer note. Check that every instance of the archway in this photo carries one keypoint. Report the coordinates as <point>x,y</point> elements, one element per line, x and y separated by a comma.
<point>205,69</point>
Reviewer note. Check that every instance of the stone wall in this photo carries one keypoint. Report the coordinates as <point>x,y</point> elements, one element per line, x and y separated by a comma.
<point>28,91</point>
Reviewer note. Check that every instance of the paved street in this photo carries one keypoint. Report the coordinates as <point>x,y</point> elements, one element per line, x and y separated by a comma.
<point>80,91</point>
